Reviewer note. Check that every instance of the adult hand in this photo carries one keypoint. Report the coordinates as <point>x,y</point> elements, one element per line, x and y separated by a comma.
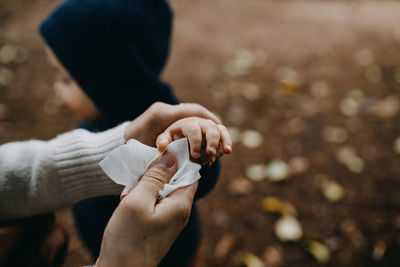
<point>142,229</point>
<point>159,116</point>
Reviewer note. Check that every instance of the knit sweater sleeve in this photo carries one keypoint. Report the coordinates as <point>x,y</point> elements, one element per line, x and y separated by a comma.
<point>42,176</point>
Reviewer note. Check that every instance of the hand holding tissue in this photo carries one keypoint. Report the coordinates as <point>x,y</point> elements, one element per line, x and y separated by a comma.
<point>126,164</point>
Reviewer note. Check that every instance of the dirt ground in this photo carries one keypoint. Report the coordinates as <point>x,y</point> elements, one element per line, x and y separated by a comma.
<point>313,84</point>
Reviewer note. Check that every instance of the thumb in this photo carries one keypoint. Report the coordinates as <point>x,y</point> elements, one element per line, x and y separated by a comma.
<point>158,174</point>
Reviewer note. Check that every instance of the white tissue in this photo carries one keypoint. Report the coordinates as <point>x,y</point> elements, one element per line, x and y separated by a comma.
<point>126,164</point>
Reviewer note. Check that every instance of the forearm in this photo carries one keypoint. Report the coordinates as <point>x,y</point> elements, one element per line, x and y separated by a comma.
<point>39,176</point>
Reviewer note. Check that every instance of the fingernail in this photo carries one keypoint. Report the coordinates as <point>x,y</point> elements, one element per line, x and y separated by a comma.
<point>166,160</point>
<point>229,148</point>
<point>124,192</point>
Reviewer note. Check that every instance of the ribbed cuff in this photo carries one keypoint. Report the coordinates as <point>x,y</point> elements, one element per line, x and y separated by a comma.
<point>76,160</point>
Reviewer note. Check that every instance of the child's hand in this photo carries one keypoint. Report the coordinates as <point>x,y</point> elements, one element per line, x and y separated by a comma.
<point>208,140</point>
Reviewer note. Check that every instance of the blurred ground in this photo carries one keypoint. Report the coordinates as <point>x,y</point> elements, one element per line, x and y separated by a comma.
<point>311,92</point>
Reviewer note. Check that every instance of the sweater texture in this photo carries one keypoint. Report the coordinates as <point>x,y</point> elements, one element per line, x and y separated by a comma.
<point>43,176</point>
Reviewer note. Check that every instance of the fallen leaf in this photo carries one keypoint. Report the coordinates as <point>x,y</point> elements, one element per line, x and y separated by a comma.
<point>289,80</point>
<point>224,246</point>
<point>251,260</point>
<point>379,250</point>
<point>275,205</point>
<point>319,251</point>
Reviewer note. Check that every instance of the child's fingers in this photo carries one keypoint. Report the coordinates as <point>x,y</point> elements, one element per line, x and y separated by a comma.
<point>193,133</point>
<point>225,139</point>
<point>163,141</point>
<point>212,137</point>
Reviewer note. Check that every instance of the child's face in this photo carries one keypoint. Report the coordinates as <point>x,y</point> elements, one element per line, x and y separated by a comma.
<point>70,92</point>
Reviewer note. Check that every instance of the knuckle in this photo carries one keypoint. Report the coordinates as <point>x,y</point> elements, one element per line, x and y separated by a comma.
<point>157,173</point>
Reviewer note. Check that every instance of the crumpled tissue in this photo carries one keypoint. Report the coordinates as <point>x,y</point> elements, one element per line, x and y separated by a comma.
<point>126,164</point>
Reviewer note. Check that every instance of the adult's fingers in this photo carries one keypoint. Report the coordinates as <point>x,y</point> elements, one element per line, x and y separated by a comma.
<point>192,110</point>
<point>178,203</point>
<point>145,194</point>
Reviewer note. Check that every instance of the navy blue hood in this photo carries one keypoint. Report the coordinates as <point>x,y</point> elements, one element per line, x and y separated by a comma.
<point>115,50</point>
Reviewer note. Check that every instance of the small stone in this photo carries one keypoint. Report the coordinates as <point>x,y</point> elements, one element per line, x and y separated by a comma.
<point>241,187</point>
<point>256,172</point>
<point>299,164</point>
<point>251,139</point>
<point>277,170</point>
<point>345,155</point>
<point>8,53</point>
<point>275,205</point>
<point>356,165</point>
<point>251,91</point>
<point>319,251</point>
<point>273,256</point>
<point>234,133</point>
<point>320,89</point>
<point>364,57</point>
<point>334,134</point>
<point>333,191</point>
<point>224,246</point>
<point>348,157</point>
<point>379,250</point>
<point>349,105</point>
<point>3,112</point>
<point>6,76</point>
<point>373,73</point>
<point>396,145</point>
<point>288,228</point>
<point>386,108</point>
<point>251,260</point>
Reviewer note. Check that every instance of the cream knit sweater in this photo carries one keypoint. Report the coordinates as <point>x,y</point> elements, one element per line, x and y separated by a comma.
<point>43,176</point>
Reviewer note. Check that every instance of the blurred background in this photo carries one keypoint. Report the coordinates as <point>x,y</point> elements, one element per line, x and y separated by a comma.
<point>310,91</point>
